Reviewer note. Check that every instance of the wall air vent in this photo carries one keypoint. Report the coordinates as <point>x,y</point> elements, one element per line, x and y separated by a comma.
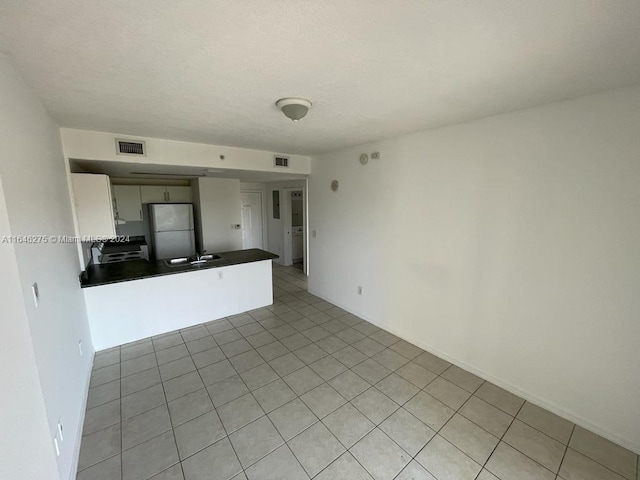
<point>280,161</point>
<point>129,147</point>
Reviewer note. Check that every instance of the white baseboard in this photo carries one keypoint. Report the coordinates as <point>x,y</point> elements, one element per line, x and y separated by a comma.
<point>550,406</point>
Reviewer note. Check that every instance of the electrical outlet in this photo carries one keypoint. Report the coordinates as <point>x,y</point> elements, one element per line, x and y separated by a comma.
<point>375,156</point>
<point>220,275</point>
<point>80,347</point>
<point>359,290</point>
<point>36,293</point>
<point>314,234</point>
<point>236,226</point>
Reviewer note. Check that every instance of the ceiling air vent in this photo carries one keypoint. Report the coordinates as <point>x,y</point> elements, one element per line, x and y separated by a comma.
<point>128,147</point>
<point>280,161</point>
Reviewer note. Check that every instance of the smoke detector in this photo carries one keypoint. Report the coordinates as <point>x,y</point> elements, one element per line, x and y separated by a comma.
<point>294,108</point>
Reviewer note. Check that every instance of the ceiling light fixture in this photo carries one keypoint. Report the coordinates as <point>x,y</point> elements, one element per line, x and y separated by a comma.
<point>294,108</point>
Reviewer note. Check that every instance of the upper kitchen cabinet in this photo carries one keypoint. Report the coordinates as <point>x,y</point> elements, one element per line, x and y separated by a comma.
<point>165,194</point>
<point>179,194</point>
<point>94,205</point>
<point>153,194</point>
<point>128,202</point>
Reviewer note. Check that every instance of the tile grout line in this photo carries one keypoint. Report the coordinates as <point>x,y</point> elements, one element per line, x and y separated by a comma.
<point>320,420</point>
<point>376,426</point>
<point>501,440</point>
<point>173,431</point>
<point>152,408</point>
<point>456,411</point>
<point>298,294</point>
<point>227,434</point>
<point>399,405</point>
<point>566,449</point>
<point>592,459</point>
<point>121,422</point>
<point>298,397</point>
<point>143,341</point>
<point>279,377</point>
<point>511,423</point>
<point>255,399</point>
<point>436,432</point>
<point>257,321</point>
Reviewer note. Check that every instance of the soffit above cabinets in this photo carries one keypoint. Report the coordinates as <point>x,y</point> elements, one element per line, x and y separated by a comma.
<point>138,173</point>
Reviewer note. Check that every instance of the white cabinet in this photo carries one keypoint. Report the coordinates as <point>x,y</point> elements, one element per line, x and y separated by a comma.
<point>162,194</point>
<point>179,194</point>
<point>153,194</point>
<point>128,203</point>
<point>94,206</point>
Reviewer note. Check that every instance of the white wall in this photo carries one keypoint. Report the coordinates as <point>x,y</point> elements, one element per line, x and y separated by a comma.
<point>22,410</point>
<point>509,244</point>
<point>218,207</point>
<point>36,193</point>
<point>91,145</point>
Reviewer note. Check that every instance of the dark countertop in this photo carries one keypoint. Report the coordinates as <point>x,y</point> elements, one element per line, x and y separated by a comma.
<point>96,275</point>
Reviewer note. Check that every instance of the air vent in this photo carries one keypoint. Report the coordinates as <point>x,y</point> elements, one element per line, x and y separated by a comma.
<point>127,147</point>
<point>280,161</point>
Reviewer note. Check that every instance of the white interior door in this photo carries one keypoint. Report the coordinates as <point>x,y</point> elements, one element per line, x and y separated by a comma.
<point>251,208</point>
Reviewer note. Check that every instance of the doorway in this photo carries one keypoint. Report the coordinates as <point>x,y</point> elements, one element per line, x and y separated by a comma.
<point>297,230</point>
<point>294,223</point>
<point>251,218</point>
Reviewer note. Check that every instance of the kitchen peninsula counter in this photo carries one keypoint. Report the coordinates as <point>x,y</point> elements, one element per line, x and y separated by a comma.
<point>131,301</point>
<point>96,275</point>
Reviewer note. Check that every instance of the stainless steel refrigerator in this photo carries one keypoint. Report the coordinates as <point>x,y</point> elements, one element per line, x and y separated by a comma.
<point>172,230</point>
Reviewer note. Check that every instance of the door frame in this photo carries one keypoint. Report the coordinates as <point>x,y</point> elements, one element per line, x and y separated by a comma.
<point>287,228</point>
<point>263,209</point>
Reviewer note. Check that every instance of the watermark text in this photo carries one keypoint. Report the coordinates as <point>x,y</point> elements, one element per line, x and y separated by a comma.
<point>37,239</point>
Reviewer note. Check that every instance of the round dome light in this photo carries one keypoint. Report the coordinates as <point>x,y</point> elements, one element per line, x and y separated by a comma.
<point>294,108</point>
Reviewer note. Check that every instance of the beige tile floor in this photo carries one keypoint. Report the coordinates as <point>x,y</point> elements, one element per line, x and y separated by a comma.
<point>303,389</point>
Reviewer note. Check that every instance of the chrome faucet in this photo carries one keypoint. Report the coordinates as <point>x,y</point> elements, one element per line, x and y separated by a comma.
<point>200,258</point>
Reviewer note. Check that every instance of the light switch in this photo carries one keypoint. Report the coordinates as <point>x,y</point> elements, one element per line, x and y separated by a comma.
<point>36,293</point>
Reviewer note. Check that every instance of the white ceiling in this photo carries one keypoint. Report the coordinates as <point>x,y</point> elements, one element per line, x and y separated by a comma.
<point>210,71</point>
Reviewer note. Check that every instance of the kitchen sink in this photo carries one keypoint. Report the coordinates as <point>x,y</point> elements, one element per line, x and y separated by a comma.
<point>195,261</point>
